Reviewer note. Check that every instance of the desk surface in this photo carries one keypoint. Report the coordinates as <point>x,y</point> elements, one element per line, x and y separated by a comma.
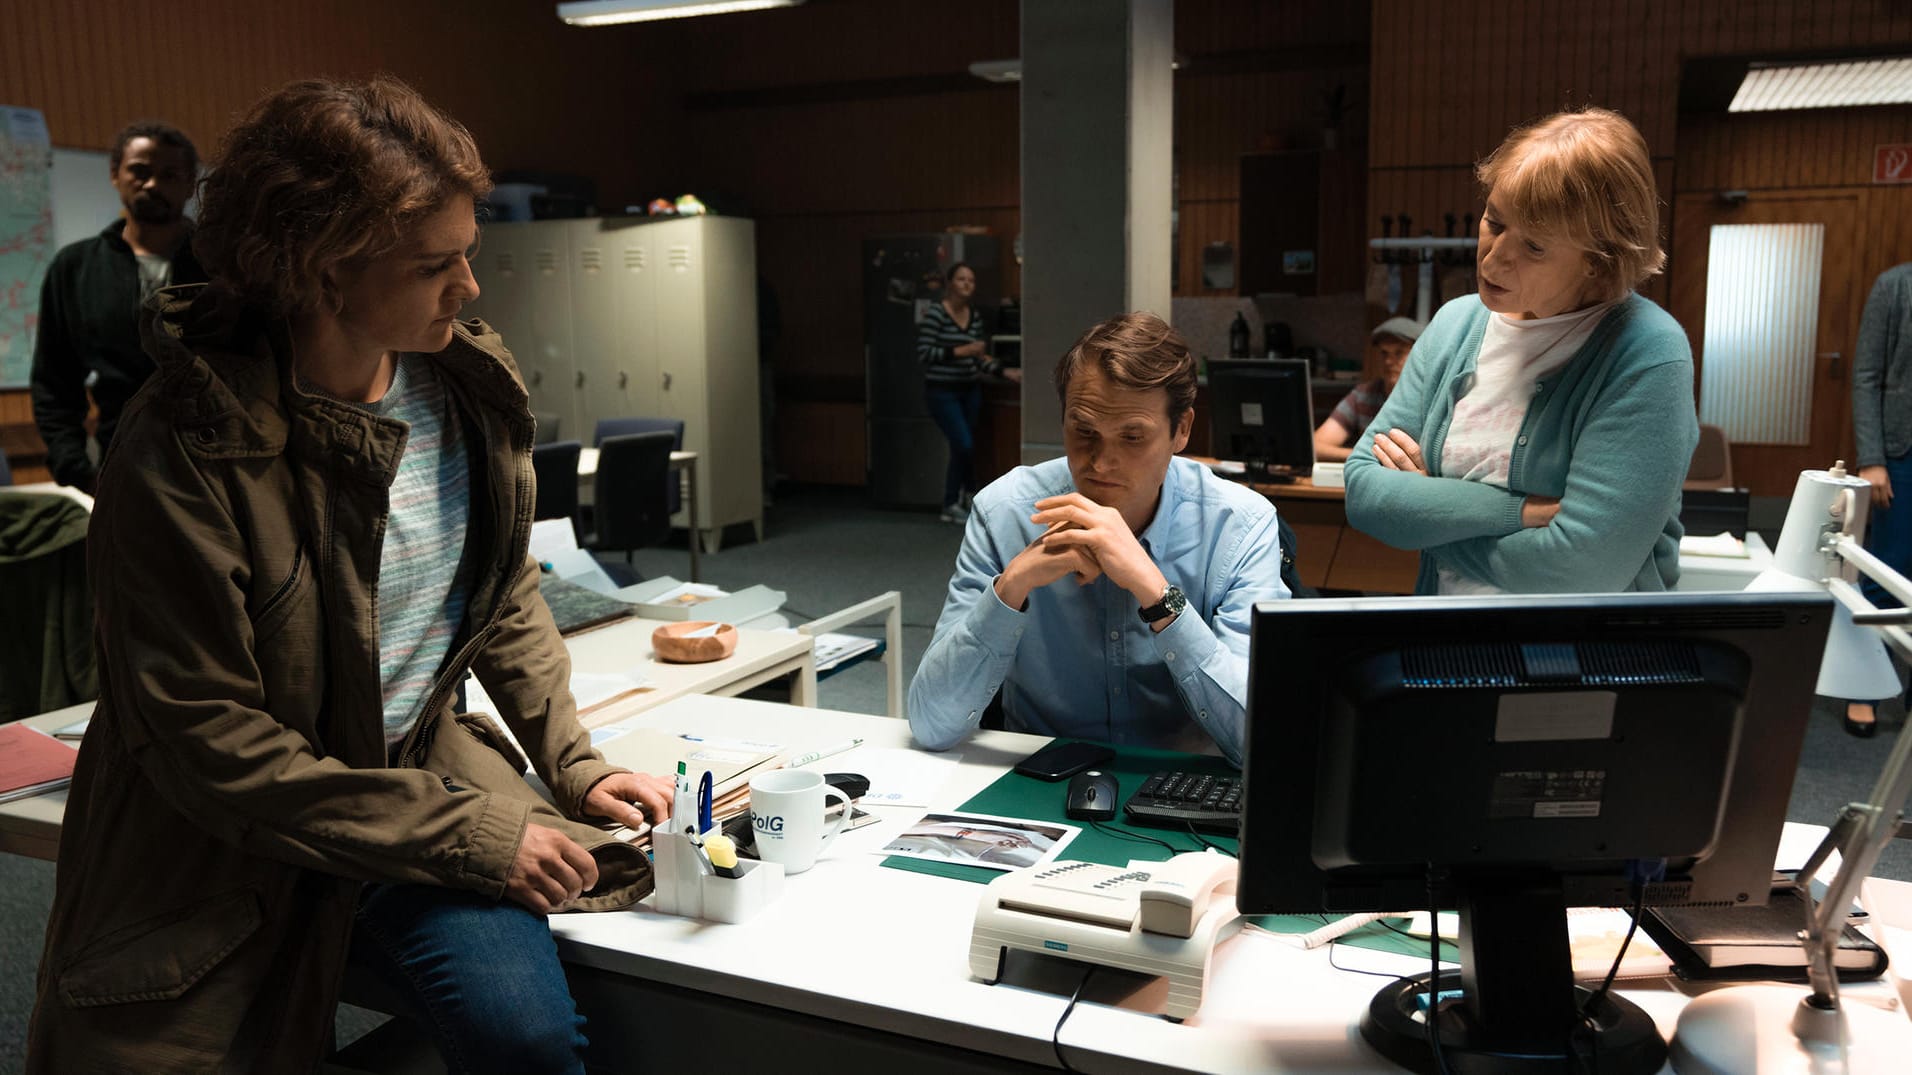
<point>625,646</point>
<point>861,946</point>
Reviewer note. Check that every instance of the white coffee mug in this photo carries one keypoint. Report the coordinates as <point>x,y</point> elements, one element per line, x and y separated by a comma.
<point>786,815</point>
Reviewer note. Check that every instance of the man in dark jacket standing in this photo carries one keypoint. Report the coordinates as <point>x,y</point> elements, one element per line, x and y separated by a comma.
<point>1882,428</point>
<point>89,307</point>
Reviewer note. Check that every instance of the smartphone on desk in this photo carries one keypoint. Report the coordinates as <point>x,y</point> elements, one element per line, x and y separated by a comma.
<point>1058,761</point>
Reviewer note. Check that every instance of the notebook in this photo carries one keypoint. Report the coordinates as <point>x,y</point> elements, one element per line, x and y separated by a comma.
<point>1754,942</point>
<point>32,762</point>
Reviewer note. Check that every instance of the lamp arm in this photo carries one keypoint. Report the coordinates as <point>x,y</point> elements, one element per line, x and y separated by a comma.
<point>1863,828</point>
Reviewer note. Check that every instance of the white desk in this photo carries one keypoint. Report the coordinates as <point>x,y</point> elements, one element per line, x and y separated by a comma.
<point>1725,572</point>
<point>861,968</point>
<point>684,463</point>
<point>626,644</point>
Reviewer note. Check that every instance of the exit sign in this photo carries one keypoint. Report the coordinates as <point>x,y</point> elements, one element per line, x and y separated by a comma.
<point>1892,164</point>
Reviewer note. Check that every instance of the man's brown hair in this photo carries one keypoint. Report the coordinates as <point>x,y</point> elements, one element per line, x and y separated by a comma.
<point>1136,352</point>
<point>323,174</point>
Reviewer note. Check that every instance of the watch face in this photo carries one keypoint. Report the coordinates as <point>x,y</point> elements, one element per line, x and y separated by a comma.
<point>1174,601</point>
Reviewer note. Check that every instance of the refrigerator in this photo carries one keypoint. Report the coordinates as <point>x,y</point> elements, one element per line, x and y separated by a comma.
<point>902,276</point>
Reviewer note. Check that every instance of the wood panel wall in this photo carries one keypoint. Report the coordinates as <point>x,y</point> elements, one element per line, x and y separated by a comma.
<point>1451,79</point>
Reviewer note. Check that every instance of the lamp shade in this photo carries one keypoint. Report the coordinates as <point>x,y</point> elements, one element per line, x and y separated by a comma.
<point>1856,665</point>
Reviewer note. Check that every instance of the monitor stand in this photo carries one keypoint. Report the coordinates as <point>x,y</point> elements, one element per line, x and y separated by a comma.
<point>1518,1009</point>
<point>1264,473</point>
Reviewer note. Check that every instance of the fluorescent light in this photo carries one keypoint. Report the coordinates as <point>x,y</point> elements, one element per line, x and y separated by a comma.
<point>612,12</point>
<point>1886,80</point>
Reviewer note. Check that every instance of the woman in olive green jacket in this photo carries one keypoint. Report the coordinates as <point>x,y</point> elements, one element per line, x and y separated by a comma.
<point>312,523</point>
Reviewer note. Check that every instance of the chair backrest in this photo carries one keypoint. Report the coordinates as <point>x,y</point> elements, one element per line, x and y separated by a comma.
<point>6,470</point>
<point>1712,466</point>
<point>618,427</point>
<point>556,467</point>
<point>629,501</point>
<point>549,425</point>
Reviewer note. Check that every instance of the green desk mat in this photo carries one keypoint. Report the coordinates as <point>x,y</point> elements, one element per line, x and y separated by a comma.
<point>1016,795</point>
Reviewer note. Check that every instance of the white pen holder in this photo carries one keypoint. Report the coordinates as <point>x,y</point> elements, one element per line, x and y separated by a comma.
<point>685,888</point>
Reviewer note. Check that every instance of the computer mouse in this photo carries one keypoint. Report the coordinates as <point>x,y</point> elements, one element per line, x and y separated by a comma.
<point>1092,796</point>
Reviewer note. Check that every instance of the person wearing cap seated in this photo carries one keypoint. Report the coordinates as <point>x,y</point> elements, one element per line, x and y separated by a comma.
<point>1336,437</point>
<point>1106,595</point>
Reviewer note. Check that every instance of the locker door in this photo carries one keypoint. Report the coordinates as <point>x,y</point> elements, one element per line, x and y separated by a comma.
<point>504,300</point>
<point>637,365</point>
<point>553,361</point>
<point>595,340</point>
<point>679,298</point>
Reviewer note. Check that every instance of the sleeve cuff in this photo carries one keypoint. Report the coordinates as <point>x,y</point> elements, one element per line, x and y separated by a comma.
<point>1511,523</point>
<point>1185,645</point>
<point>493,845</point>
<point>994,625</point>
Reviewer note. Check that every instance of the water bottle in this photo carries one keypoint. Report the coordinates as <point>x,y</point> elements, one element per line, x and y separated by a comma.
<point>1238,337</point>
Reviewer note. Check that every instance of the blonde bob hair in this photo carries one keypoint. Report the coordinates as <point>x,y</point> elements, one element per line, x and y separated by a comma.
<point>322,175</point>
<point>1583,178</point>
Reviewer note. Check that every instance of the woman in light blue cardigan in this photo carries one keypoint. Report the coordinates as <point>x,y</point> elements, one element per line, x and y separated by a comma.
<point>1541,431</point>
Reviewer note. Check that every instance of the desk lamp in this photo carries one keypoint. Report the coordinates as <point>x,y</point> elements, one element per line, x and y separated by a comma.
<point>1774,1028</point>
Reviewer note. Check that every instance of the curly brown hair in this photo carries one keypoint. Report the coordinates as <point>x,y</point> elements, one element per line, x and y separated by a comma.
<point>323,174</point>
<point>1137,352</point>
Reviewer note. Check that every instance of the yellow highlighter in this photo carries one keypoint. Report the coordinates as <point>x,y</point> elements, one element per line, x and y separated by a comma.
<point>723,854</point>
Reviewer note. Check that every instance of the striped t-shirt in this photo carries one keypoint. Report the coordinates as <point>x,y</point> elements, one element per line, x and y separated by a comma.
<point>938,336</point>
<point>1357,409</point>
<point>422,580</point>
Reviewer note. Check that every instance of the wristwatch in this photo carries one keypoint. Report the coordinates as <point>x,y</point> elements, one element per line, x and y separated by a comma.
<point>1172,603</point>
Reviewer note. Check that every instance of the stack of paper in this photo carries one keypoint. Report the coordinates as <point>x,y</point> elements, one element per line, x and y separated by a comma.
<point>32,762</point>
<point>834,648</point>
<point>1723,545</point>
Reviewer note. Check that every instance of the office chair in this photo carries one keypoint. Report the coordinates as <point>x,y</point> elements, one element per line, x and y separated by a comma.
<point>556,467</point>
<point>1712,466</point>
<point>629,500</point>
<point>46,637</point>
<point>548,426</point>
<point>618,427</point>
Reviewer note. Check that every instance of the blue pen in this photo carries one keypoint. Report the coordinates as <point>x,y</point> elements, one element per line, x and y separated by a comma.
<point>703,803</point>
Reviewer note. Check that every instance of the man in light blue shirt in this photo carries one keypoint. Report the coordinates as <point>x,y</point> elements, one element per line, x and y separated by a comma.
<point>1107,594</point>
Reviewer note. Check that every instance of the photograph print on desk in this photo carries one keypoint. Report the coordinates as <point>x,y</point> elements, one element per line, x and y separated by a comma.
<point>995,843</point>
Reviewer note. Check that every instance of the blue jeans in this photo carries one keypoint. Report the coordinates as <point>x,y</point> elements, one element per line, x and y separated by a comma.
<point>482,976</point>
<point>954,410</point>
<point>1889,531</point>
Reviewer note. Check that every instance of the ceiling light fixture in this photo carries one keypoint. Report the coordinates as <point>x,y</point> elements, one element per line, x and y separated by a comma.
<point>612,12</point>
<point>1772,87</point>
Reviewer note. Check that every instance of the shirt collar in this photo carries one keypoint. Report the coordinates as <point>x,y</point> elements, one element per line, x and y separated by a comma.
<point>1156,535</point>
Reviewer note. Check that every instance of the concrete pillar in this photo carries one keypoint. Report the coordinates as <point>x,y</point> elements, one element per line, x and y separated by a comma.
<point>1098,113</point>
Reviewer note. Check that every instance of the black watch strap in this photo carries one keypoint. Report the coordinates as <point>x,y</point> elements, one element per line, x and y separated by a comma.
<point>1172,603</point>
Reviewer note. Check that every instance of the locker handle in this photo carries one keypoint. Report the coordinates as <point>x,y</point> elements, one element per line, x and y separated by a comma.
<point>667,382</point>
<point>623,379</point>
<point>1836,369</point>
<point>579,382</point>
<point>537,377</point>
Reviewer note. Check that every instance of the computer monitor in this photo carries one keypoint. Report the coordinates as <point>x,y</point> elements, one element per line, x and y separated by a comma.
<point>1517,756</point>
<point>1261,412</point>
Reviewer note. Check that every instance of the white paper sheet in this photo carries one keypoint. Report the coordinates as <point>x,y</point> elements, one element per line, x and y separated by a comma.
<point>898,776</point>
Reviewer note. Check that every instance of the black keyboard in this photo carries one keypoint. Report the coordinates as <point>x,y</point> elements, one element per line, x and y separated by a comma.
<point>1178,800</point>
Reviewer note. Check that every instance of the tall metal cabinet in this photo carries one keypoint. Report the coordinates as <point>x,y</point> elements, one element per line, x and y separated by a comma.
<point>610,317</point>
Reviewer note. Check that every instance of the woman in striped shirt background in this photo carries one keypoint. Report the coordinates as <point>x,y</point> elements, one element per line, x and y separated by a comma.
<point>949,344</point>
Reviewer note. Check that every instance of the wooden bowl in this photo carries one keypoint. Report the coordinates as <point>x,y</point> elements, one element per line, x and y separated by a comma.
<point>672,646</point>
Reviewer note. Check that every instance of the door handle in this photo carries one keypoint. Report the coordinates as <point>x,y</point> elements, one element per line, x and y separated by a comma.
<point>1836,368</point>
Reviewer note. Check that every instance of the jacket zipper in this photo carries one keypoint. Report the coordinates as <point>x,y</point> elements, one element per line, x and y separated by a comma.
<point>292,578</point>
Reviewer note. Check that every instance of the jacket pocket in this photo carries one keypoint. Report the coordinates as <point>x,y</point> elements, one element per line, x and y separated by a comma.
<point>161,957</point>
<point>483,729</point>
<point>285,600</point>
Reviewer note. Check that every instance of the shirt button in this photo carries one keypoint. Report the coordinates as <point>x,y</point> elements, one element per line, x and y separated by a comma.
<point>1114,635</point>
<point>1522,440</point>
<point>1170,655</point>
<point>1018,632</point>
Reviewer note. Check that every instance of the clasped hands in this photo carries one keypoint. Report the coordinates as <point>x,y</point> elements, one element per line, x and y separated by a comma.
<point>1086,540</point>
<point>551,869</point>
<point>1395,450</point>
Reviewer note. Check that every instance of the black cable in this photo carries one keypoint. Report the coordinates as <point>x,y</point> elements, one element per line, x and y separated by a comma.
<point>1108,830</point>
<point>1055,1038</point>
<point>1205,842</point>
<point>1584,1043</point>
<point>1434,970</point>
